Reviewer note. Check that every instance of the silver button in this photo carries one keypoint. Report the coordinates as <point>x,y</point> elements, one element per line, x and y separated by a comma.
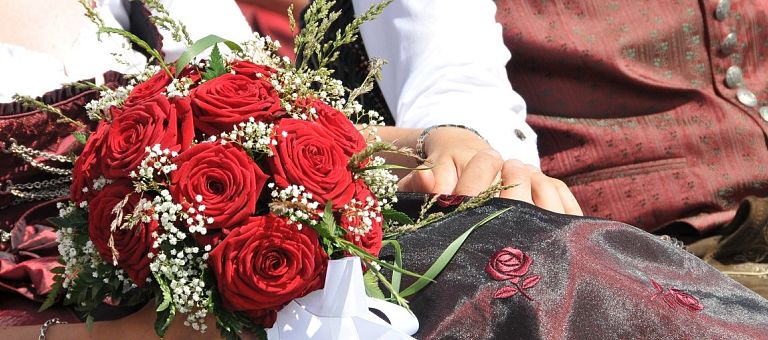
<point>728,44</point>
<point>764,113</point>
<point>746,97</point>
<point>733,77</point>
<point>722,9</point>
<point>520,135</point>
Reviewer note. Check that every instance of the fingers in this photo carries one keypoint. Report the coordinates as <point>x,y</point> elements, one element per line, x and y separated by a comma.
<point>534,187</point>
<point>570,204</point>
<point>417,181</point>
<point>514,173</point>
<point>545,195</point>
<point>479,173</point>
<point>445,176</point>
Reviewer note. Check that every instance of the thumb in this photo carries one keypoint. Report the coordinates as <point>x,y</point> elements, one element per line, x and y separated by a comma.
<point>417,181</point>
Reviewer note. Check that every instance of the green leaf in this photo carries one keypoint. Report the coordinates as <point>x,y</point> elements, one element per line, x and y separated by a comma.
<point>260,333</point>
<point>216,65</point>
<point>396,296</point>
<point>89,322</point>
<point>166,300</point>
<point>446,257</point>
<point>96,289</point>
<point>372,285</point>
<point>76,219</point>
<point>230,324</point>
<point>396,275</point>
<point>328,220</point>
<point>80,137</point>
<point>200,46</point>
<point>394,215</point>
<point>50,299</point>
<point>360,252</point>
<point>82,292</point>
<point>164,319</point>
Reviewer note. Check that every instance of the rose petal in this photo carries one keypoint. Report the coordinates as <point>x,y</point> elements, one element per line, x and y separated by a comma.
<point>505,292</point>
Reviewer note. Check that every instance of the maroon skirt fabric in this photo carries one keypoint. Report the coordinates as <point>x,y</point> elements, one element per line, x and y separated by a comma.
<point>533,274</point>
<point>27,258</point>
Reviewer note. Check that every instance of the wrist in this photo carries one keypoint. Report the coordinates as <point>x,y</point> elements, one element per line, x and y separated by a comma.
<point>422,149</point>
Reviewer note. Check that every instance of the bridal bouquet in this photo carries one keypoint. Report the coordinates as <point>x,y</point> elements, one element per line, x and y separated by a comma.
<point>223,185</point>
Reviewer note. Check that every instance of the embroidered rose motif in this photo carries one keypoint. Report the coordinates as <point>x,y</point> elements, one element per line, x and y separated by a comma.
<point>508,263</point>
<point>511,264</point>
<point>686,300</point>
<point>447,201</point>
<point>675,297</point>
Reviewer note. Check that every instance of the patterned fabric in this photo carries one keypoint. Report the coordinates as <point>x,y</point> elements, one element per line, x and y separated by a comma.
<point>632,107</point>
<point>569,278</point>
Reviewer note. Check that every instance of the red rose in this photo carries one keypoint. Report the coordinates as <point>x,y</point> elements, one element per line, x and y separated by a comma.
<point>252,70</point>
<point>683,299</point>
<point>86,167</point>
<point>266,263</point>
<point>155,120</point>
<point>132,245</point>
<point>224,176</point>
<point>148,89</point>
<point>353,218</point>
<point>307,155</point>
<point>344,133</point>
<point>227,100</point>
<point>508,263</point>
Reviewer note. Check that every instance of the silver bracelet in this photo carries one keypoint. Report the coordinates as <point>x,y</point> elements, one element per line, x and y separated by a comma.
<point>420,145</point>
<point>49,323</point>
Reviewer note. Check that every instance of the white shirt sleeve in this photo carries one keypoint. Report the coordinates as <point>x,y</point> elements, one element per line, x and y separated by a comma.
<point>446,65</point>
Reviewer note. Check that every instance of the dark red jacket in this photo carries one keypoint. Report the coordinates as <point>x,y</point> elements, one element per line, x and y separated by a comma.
<point>631,104</point>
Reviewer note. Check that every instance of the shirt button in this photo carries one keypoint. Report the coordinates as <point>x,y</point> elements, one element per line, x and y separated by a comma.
<point>722,9</point>
<point>728,44</point>
<point>520,135</point>
<point>733,77</point>
<point>746,97</point>
<point>764,113</point>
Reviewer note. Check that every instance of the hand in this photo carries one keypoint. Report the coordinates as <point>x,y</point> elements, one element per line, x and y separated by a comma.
<point>534,187</point>
<point>464,164</point>
<point>454,155</point>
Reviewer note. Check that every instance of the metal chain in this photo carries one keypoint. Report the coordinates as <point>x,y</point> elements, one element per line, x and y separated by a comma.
<point>54,182</point>
<point>20,149</point>
<point>29,155</point>
<point>4,236</point>
<point>35,191</point>
<point>41,195</point>
<point>48,324</point>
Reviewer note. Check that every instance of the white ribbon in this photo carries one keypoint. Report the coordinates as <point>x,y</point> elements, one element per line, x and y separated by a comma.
<point>340,311</point>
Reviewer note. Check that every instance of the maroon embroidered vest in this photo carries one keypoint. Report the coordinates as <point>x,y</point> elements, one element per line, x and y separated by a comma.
<point>651,111</point>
